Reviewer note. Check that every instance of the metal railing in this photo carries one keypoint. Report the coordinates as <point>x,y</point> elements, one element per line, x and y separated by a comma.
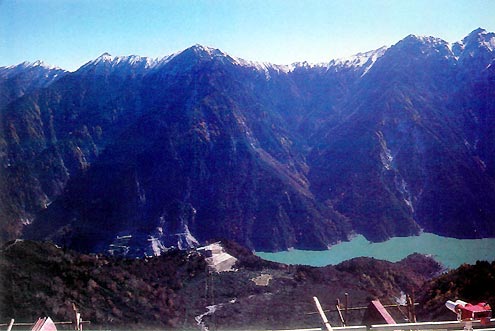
<point>448,325</point>
<point>445,325</point>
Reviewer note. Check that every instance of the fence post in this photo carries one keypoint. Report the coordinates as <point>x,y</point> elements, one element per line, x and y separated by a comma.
<point>10,325</point>
<point>322,314</point>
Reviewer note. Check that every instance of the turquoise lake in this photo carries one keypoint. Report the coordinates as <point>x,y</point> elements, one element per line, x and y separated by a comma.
<point>450,252</point>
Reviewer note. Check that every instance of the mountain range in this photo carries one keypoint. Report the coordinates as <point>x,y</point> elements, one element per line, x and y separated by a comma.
<point>136,154</point>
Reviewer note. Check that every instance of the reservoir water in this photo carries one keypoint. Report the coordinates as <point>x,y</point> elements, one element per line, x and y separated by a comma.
<point>450,252</point>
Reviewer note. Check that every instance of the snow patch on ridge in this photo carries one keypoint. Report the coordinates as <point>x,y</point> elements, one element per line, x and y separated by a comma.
<point>132,60</point>
<point>401,185</point>
<point>38,63</point>
<point>360,60</point>
<point>263,66</point>
<point>385,153</point>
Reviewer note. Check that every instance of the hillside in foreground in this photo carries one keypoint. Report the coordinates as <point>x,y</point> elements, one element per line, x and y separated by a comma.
<point>471,283</point>
<point>170,290</point>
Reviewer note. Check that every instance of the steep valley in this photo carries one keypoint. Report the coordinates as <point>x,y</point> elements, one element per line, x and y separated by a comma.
<point>201,145</point>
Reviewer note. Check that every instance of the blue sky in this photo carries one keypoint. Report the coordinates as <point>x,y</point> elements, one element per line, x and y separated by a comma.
<point>68,33</point>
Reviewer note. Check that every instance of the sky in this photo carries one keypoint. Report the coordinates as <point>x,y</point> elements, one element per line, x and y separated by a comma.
<point>69,33</point>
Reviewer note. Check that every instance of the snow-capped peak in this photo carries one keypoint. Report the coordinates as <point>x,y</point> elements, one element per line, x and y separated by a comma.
<point>427,46</point>
<point>210,53</point>
<point>104,57</point>
<point>430,40</point>
<point>203,52</point>
<point>477,32</point>
<point>208,50</point>
<point>40,74</point>
<point>480,37</point>
<point>37,63</point>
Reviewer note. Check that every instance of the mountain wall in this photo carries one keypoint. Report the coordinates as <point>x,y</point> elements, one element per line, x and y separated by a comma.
<point>202,145</point>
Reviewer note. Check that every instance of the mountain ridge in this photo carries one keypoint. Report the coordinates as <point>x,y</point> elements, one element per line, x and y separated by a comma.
<point>478,34</point>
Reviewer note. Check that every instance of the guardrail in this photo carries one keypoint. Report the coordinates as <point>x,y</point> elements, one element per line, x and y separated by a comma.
<point>339,328</point>
<point>449,325</point>
<point>423,326</point>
